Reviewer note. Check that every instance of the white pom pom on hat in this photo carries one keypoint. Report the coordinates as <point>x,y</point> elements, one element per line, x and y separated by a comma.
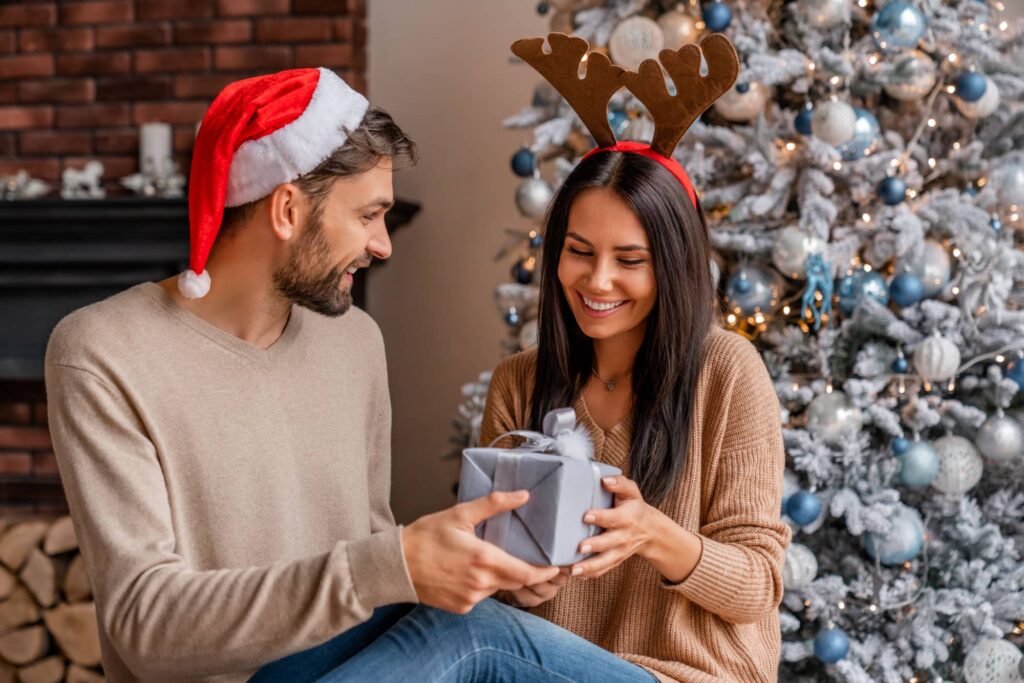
<point>257,134</point>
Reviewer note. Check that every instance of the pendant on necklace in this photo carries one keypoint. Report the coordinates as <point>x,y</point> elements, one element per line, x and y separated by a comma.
<point>609,386</point>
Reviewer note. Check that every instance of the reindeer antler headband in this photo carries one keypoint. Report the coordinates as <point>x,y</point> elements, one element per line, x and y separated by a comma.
<point>672,114</point>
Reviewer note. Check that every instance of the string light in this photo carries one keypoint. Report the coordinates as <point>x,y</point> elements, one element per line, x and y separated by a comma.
<point>867,267</point>
<point>785,310</point>
<point>872,608</point>
<point>866,217</point>
<point>955,290</point>
<point>731,319</point>
<point>957,252</point>
<point>953,57</point>
<point>956,145</point>
<point>790,146</point>
<point>838,166</point>
<point>932,163</point>
<point>912,193</point>
<point>1000,358</point>
<point>873,59</point>
<point>842,604</point>
<point>932,123</point>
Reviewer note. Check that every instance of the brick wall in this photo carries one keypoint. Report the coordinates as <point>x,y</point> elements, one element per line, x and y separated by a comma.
<point>77,77</point>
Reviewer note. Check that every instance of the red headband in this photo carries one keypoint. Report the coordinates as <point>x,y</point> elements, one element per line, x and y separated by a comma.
<point>642,149</point>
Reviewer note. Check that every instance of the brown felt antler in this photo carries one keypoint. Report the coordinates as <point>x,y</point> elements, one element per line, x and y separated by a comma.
<point>673,114</point>
<point>589,95</point>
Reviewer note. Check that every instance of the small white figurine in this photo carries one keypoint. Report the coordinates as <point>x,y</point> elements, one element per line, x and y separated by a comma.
<point>83,183</point>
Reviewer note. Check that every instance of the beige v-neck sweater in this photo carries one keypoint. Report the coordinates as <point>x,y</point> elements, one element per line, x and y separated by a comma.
<point>231,502</point>
<point>721,622</point>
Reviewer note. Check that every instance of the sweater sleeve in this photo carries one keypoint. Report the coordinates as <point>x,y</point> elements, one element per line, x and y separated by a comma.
<point>165,618</point>
<point>739,574</point>
<point>379,449</point>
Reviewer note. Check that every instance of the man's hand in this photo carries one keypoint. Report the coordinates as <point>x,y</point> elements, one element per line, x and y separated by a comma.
<point>452,569</point>
<point>531,596</point>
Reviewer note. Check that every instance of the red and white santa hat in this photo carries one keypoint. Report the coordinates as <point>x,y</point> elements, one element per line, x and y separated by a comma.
<point>257,134</point>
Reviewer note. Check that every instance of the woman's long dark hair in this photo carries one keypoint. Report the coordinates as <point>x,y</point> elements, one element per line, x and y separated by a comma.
<point>668,362</point>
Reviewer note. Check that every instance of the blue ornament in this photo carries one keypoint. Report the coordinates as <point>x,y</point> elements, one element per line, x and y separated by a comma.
<point>831,645</point>
<point>512,317</point>
<point>919,465</point>
<point>803,507</point>
<point>860,286</point>
<point>819,281</point>
<point>1015,371</point>
<point>892,190</point>
<point>899,445</point>
<point>802,123</point>
<point>618,120</point>
<point>542,8</point>
<point>536,240</point>
<point>997,225</point>
<point>971,191</point>
<point>717,16</point>
<point>897,26</point>
<point>970,86</point>
<point>523,163</point>
<point>902,543</point>
<point>521,273</point>
<point>900,365</point>
<point>906,289</point>
<point>742,88</point>
<point>866,133</point>
<point>751,289</point>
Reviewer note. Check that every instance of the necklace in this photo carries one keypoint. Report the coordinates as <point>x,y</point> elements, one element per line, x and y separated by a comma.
<point>609,384</point>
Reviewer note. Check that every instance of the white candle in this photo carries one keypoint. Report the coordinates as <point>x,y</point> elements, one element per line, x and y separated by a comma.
<point>155,140</point>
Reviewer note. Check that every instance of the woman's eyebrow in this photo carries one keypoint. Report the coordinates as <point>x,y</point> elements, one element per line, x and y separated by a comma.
<point>625,247</point>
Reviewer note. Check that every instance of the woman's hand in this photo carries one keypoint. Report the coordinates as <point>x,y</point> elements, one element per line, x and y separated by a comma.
<point>531,596</point>
<point>629,529</point>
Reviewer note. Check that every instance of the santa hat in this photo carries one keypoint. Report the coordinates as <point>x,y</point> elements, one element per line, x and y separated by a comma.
<point>257,134</point>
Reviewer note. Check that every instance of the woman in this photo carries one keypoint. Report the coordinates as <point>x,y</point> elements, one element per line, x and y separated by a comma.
<point>686,579</point>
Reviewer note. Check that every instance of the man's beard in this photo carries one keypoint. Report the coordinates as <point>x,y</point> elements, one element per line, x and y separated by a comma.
<point>310,279</point>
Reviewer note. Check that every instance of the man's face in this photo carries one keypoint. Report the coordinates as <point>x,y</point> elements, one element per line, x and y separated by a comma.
<point>341,235</point>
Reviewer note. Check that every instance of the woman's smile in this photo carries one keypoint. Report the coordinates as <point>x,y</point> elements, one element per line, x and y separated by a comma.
<point>600,308</point>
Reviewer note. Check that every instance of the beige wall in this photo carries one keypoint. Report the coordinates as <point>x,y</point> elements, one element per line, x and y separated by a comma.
<point>441,68</point>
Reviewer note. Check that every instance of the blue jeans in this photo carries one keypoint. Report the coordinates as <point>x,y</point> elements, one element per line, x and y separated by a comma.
<point>494,643</point>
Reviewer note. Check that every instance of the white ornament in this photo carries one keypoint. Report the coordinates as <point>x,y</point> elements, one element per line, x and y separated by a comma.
<point>993,661</point>
<point>986,106</point>
<point>533,196</point>
<point>528,335</point>
<point>800,567</point>
<point>1000,438</point>
<point>1010,183</point>
<point>914,77</point>
<point>936,358</point>
<point>833,417</point>
<point>791,248</point>
<point>834,122</point>
<point>678,28</point>
<point>960,465</point>
<point>634,40</point>
<point>826,13</point>
<point>743,107</point>
<point>933,267</point>
<point>83,183</point>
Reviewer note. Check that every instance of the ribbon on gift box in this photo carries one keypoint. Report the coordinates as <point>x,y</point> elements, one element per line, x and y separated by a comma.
<point>562,436</point>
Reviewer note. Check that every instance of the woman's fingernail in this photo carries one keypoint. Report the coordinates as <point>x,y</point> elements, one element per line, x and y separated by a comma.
<point>588,518</point>
<point>609,480</point>
<point>585,549</point>
<point>576,571</point>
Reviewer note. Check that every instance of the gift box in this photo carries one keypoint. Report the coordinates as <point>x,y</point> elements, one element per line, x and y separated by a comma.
<point>564,481</point>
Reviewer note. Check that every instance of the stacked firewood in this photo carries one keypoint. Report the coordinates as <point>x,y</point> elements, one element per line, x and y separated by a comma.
<point>48,630</point>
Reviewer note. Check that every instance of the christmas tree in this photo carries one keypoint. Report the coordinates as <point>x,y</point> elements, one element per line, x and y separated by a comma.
<point>864,187</point>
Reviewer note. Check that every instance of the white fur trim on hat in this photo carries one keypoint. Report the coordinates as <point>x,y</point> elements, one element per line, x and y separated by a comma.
<point>194,286</point>
<point>260,165</point>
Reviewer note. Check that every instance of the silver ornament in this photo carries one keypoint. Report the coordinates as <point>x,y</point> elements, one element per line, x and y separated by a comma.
<point>791,248</point>
<point>743,107</point>
<point>960,465</point>
<point>902,542</point>
<point>800,567</point>
<point>993,661</point>
<point>986,106</point>
<point>936,358</point>
<point>913,77</point>
<point>933,266</point>
<point>1000,438</point>
<point>834,122</point>
<point>633,40</point>
<point>1010,184</point>
<point>533,197</point>
<point>528,335</point>
<point>678,28</point>
<point>826,13</point>
<point>832,417</point>
<point>716,273</point>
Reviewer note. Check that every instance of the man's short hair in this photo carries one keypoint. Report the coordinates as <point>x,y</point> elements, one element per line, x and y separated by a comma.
<point>377,137</point>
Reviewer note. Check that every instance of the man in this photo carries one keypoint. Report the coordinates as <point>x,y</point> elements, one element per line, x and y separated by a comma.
<point>223,437</point>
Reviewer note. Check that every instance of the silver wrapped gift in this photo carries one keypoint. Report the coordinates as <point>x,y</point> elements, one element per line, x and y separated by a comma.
<point>564,481</point>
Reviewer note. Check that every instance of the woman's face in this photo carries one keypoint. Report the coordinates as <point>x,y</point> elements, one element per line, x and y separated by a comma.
<point>605,267</point>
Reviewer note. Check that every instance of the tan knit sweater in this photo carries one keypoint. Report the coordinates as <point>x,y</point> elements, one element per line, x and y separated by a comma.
<point>231,501</point>
<point>721,622</point>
